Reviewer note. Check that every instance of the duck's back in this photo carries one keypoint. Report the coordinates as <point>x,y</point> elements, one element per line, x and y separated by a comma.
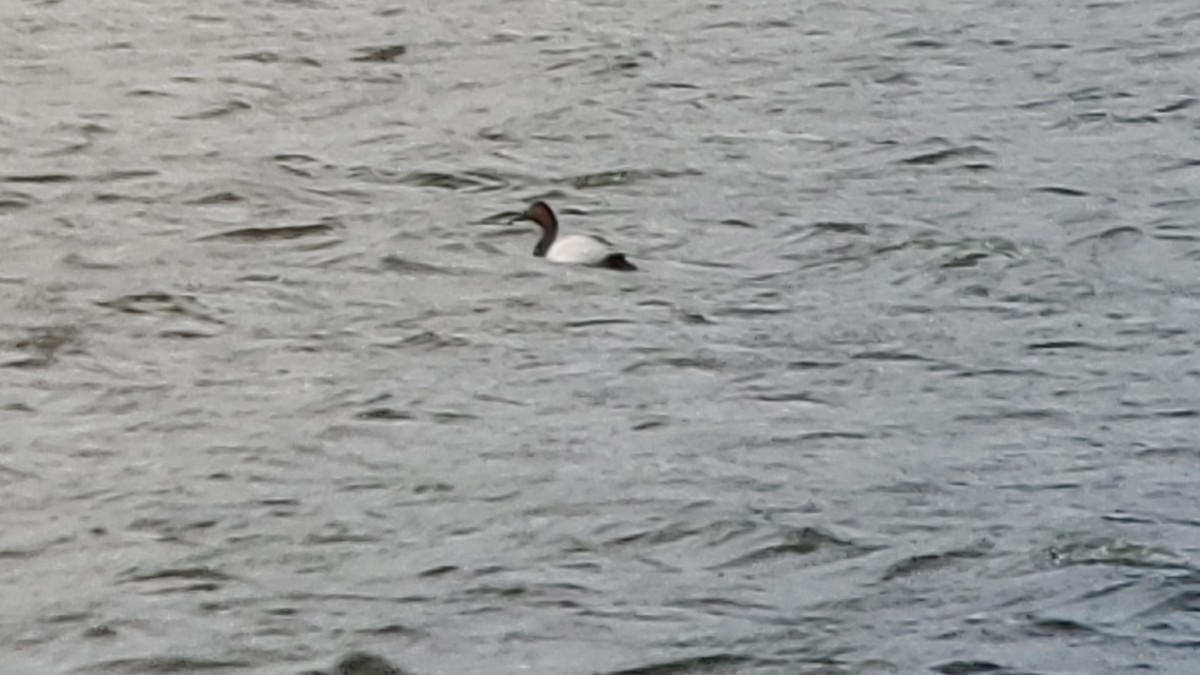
<point>579,249</point>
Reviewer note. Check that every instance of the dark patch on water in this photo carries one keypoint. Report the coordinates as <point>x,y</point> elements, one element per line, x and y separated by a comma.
<point>386,54</point>
<point>282,232</point>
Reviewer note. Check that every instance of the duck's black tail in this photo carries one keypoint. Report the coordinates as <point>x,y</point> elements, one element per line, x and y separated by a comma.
<point>617,261</point>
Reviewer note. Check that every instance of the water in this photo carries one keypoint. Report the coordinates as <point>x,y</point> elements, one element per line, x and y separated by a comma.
<point>906,382</point>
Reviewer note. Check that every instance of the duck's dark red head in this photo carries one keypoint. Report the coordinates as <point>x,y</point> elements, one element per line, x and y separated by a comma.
<point>540,213</point>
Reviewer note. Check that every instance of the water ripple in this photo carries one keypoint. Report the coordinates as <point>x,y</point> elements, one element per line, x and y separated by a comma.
<point>904,383</point>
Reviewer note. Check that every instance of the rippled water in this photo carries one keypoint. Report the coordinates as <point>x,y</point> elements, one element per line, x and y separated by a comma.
<point>906,382</point>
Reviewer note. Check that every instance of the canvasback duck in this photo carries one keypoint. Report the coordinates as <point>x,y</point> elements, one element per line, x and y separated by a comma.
<point>577,249</point>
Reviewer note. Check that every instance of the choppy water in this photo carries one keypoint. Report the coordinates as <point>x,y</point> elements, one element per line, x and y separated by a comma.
<point>907,382</point>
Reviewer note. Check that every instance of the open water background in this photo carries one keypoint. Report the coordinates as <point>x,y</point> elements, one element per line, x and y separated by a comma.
<point>906,383</point>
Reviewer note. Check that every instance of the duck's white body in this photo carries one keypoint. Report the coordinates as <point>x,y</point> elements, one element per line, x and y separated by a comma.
<point>579,249</point>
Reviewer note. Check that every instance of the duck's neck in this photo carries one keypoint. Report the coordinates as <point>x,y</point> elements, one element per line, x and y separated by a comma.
<point>549,225</point>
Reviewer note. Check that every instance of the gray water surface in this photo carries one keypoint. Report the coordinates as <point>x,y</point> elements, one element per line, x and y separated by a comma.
<point>906,382</point>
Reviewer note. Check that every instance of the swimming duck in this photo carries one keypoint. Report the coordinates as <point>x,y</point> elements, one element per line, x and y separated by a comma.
<point>577,249</point>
